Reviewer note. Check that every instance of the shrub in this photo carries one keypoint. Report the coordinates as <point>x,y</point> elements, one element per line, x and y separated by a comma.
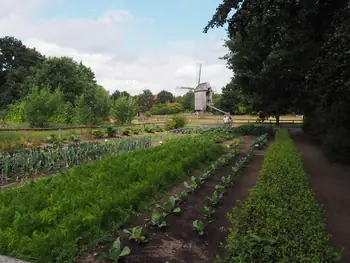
<point>281,220</point>
<point>148,114</point>
<point>98,133</point>
<point>176,122</point>
<point>49,220</point>
<point>111,132</point>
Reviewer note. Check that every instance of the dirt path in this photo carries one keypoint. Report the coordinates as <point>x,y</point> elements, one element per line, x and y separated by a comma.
<point>331,183</point>
<point>180,243</point>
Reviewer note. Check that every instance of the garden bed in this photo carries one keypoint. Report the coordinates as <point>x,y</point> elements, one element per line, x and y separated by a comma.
<point>179,242</point>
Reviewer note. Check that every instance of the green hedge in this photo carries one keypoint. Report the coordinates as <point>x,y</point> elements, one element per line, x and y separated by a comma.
<point>49,220</point>
<point>281,220</point>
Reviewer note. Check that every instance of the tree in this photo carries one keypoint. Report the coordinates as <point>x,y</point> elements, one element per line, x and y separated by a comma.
<point>41,107</point>
<point>187,101</point>
<point>164,97</point>
<point>124,109</point>
<point>174,108</point>
<point>269,50</point>
<point>117,94</point>
<point>145,100</point>
<point>16,62</point>
<point>65,74</point>
<point>93,106</point>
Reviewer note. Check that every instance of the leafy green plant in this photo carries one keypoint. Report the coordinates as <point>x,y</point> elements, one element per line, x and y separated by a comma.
<point>113,188</point>
<point>111,132</point>
<point>115,252</point>
<point>199,226</point>
<point>214,199</point>
<point>182,197</point>
<point>191,186</point>
<point>126,131</point>
<point>137,234</point>
<point>208,211</point>
<point>98,133</point>
<point>170,206</point>
<point>158,219</point>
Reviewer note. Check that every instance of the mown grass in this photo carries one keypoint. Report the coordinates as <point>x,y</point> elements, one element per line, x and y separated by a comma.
<point>51,219</point>
<point>281,220</point>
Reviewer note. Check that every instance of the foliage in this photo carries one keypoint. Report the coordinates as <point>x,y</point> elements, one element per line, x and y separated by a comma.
<point>41,106</point>
<point>81,207</point>
<point>137,234</point>
<point>124,109</point>
<point>117,94</point>
<point>260,142</point>
<point>165,97</point>
<point>98,133</point>
<point>111,132</point>
<point>265,227</point>
<point>49,159</point>
<point>148,114</point>
<point>145,100</point>
<point>16,63</point>
<point>176,122</point>
<point>187,101</point>
<point>92,107</point>
<point>62,73</point>
<point>199,226</point>
<point>15,113</point>
<point>115,252</point>
<point>327,109</point>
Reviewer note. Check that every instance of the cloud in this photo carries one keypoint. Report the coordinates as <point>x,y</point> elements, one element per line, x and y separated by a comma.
<point>99,43</point>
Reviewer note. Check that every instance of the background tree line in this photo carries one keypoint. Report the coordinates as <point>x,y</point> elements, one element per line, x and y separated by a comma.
<point>44,91</point>
<point>292,56</point>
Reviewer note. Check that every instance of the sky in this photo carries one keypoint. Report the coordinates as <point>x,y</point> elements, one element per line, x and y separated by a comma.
<point>130,45</point>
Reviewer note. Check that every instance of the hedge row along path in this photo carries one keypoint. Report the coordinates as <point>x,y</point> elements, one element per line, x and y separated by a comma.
<point>331,184</point>
<point>179,242</point>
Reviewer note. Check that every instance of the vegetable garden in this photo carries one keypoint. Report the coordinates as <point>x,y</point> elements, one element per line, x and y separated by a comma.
<point>167,204</point>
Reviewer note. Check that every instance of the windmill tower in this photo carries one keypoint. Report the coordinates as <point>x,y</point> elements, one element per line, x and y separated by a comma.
<point>203,95</point>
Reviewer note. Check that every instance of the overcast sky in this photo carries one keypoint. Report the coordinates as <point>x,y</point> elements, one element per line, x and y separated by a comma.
<point>130,45</point>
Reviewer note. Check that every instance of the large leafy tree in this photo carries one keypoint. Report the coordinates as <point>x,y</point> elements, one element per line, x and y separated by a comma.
<point>165,96</point>
<point>16,63</point>
<point>93,105</point>
<point>117,94</point>
<point>63,73</point>
<point>124,109</point>
<point>187,101</point>
<point>145,100</point>
<point>272,44</point>
<point>43,107</point>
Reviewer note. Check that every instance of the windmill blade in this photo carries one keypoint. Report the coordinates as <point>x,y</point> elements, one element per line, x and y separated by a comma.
<point>184,88</point>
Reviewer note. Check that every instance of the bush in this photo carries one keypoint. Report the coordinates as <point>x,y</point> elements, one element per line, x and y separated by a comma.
<point>111,132</point>
<point>148,114</point>
<point>281,220</point>
<point>176,122</point>
<point>98,133</point>
<point>51,219</point>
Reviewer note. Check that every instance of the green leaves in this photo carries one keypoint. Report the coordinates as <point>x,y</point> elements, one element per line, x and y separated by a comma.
<point>158,219</point>
<point>170,206</point>
<point>137,234</point>
<point>115,252</point>
<point>199,226</point>
<point>90,200</point>
<point>280,220</point>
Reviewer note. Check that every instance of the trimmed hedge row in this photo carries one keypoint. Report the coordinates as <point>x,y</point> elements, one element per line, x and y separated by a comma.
<point>281,220</point>
<point>49,220</point>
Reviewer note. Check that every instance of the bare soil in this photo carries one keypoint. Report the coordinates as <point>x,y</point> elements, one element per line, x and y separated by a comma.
<point>179,243</point>
<point>331,184</point>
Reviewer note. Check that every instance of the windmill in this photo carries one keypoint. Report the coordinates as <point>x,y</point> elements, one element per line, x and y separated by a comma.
<point>203,95</point>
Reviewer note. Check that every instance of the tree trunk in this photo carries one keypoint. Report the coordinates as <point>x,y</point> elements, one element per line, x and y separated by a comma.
<point>277,120</point>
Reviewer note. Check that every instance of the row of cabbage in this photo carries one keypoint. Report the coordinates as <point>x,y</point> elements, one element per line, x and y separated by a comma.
<point>52,219</point>
<point>32,161</point>
<point>255,130</point>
